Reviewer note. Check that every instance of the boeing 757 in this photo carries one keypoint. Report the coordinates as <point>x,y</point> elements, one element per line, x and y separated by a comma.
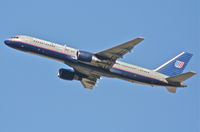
<point>89,67</point>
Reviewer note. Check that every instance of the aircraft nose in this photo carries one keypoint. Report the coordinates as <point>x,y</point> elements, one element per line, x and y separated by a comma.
<point>7,42</point>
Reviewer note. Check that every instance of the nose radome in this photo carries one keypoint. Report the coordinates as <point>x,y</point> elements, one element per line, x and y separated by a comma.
<point>7,42</point>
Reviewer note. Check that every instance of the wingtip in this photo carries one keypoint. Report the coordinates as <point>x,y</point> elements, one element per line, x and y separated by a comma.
<point>142,38</point>
<point>192,72</point>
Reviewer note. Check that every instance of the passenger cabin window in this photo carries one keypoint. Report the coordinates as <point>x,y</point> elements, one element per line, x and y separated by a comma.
<point>45,43</point>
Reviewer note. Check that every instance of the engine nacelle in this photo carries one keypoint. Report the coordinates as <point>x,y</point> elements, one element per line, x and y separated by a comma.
<point>87,57</point>
<point>67,74</point>
<point>84,56</point>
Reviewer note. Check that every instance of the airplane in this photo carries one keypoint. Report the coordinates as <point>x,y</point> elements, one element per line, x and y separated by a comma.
<point>89,67</point>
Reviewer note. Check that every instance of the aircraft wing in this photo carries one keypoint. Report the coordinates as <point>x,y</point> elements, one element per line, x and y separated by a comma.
<point>89,82</point>
<point>109,56</point>
<point>89,78</point>
<point>120,50</point>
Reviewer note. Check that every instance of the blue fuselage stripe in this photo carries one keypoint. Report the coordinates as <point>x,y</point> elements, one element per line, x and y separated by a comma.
<point>138,77</point>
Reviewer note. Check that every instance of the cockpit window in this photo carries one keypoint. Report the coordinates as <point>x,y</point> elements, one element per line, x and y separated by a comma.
<point>15,37</point>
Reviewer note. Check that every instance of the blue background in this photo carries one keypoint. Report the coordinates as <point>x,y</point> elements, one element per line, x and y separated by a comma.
<point>33,98</point>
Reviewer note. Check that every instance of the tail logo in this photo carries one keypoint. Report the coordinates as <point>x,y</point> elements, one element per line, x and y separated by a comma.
<point>179,64</point>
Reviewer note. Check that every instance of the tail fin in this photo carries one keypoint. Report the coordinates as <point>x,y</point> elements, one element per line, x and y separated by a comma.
<point>176,65</point>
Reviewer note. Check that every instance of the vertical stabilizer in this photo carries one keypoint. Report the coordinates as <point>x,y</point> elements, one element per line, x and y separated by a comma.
<point>176,65</point>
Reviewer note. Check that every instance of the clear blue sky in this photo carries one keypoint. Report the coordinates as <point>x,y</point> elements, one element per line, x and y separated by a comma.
<point>34,99</point>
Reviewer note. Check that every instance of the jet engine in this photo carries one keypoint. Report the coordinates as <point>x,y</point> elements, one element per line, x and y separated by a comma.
<point>67,74</point>
<point>87,57</point>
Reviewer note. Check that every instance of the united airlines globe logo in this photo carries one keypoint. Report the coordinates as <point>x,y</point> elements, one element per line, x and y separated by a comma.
<point>179,64</point>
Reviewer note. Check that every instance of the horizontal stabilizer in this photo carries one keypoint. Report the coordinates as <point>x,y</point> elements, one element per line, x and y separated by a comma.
<point>180,77</point>
<point>171,89</point>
